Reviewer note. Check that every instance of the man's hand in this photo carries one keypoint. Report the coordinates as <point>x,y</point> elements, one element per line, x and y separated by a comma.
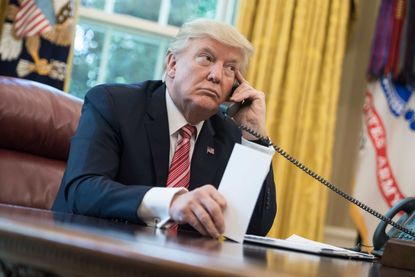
<point>202,208</point>
<point>252,116</point>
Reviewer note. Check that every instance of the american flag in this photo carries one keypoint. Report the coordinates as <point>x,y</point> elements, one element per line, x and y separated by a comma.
<point>30,20</point>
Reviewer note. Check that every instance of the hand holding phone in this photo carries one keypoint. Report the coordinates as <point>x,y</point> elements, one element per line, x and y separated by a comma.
<point>246,106</point>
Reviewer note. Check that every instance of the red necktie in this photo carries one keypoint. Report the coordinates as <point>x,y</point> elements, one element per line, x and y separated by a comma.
<point>179,172</point>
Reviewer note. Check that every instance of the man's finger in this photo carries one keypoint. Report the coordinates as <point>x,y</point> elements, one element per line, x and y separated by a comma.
<point>205,219</point>
<point>193,221</point>
<point>219,199</point>
<point>215,212</point>
<point>240,78</point>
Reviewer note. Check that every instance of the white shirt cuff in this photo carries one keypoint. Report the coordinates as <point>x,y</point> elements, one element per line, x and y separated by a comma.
<point>265,149</point>
<point>154,209</point>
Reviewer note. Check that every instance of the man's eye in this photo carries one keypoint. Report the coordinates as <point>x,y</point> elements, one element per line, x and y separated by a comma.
<point>204,59</point>
<point>230,70</point>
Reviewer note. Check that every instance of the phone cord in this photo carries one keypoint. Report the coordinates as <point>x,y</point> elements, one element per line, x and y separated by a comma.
<point>311,173</point>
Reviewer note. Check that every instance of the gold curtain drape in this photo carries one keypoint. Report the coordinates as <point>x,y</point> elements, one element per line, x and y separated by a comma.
<point>3,7</point>
<point>300,46</point>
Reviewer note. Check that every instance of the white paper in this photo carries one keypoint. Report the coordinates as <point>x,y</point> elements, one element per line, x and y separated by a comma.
<point>311,243</point>
<point>324,247</point>
<point>295,242</point>
<point>240,185</point>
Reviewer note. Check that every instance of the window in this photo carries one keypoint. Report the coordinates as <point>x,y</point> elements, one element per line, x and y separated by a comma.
<point>125,41</point>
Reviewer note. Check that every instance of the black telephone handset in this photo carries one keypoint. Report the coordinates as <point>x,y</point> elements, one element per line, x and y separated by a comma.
<point>380,237</point>
<point>404,228</point>
<point>230,108</point>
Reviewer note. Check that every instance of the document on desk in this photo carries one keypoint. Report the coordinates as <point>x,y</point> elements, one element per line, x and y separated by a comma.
<point>301,244</point>
<point>240,185</point>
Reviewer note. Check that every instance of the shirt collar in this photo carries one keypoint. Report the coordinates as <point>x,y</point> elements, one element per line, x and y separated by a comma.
<point>176,118</point>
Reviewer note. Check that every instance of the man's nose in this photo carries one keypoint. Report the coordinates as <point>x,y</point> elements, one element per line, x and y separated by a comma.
<point>215,74</point>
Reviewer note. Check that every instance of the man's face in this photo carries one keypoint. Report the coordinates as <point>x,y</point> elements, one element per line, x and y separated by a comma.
<point>200,77</point>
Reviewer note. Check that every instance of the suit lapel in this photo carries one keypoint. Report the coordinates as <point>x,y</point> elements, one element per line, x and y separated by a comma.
<point>204,159</point>
<point>157,128</point>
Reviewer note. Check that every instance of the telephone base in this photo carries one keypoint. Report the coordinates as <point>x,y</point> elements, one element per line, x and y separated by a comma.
<point>399,254</point>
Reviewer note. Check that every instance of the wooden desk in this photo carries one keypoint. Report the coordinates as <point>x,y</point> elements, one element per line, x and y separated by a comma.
<point>70,245</point>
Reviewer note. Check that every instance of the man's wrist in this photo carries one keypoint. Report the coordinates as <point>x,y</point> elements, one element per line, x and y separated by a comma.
<point>264,141</point>
<point>154,209</point>
<point>268,149</point>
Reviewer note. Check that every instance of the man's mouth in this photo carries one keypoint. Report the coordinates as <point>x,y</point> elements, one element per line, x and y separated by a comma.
<point>210,92</point>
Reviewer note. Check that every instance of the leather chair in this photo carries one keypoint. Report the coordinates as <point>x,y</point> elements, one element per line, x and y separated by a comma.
<point>36,124</point>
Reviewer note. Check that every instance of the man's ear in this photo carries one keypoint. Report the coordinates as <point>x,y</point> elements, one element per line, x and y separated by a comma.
<point>171,65</point>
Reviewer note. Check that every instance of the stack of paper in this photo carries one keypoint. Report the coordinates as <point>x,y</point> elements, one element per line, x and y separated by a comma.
<point>298,243</point>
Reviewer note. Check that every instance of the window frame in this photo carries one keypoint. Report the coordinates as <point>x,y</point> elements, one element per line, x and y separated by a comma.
<point>159,32</point>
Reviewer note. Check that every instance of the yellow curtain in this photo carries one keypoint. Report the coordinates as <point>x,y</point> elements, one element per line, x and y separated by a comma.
<point>297,63</point>
<point>3,7</point>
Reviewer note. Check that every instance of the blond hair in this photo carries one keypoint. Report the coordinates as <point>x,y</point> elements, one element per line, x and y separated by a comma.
<point>222,32</point>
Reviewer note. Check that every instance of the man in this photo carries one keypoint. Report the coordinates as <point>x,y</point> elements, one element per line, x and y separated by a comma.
<point>154,153</point>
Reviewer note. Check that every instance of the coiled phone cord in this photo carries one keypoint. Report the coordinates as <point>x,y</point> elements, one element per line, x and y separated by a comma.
<point>311,173</point>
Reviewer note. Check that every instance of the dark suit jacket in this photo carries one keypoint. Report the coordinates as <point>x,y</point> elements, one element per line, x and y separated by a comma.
<point>121,150</point>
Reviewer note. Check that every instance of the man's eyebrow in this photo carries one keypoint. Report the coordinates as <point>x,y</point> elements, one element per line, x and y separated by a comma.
<point>207,49</point>
<point>212,52</point>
